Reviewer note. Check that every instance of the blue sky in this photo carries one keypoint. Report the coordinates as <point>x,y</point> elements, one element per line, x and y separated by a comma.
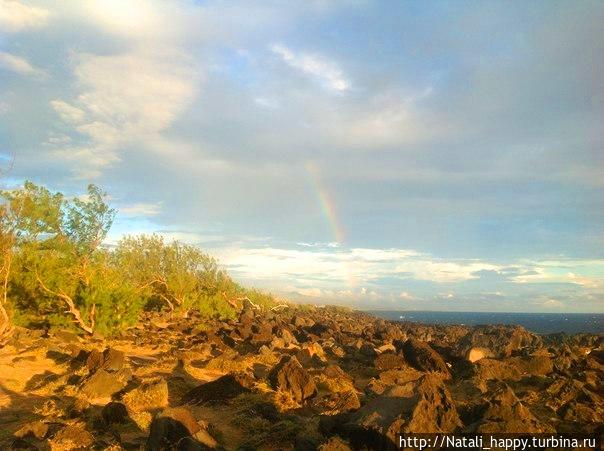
<point>413,155</point>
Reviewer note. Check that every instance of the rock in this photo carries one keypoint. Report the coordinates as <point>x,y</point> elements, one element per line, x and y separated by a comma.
<point>37,429</point>
<point>72,437</point>
<point>497,341</point>
<point>337,403</point>
<point>22,445</point>
<point>504,413</point>
<point>422,357</point>
<point>222,389</point>
<point>334,444</point>
<point>289,376</point>
<point>389,361</point>
<point>151,394</point>
<point>311,354</point>
<point>474,354</point>
<point>367,350</point>
<point>114,412</point>
<point>176,428</point>
<point>102,384</point>
<point>110,360</point>
<point>423,406</point>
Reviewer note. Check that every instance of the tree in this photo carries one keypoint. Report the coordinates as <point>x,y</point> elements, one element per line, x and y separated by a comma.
<point>60,257</point>
<point>175,274</point>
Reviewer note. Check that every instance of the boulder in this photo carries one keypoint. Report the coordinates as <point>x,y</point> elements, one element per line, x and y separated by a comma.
<point>149,395</point>
<point>422,357</point>
<point>110,360</point>
<point>504,413</point>
<point>289,376</point>
<point>389,361</point>
<point>222,389</point>
<point>114,412</point>
<point>103,384</point>
<point>72,437</point>
<point>423,406</point>
<point>177,428</point>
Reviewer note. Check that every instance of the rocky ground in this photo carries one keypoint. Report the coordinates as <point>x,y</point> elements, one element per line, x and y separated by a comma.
<point>301,379</point>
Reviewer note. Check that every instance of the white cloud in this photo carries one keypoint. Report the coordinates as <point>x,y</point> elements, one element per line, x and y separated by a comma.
<point>552,303</point>
<point>326,72</point>
<point>68,113</point>
<point>19,65</point>
<point>141,209</point>
<point>113,112</point>
<point>15,16</point>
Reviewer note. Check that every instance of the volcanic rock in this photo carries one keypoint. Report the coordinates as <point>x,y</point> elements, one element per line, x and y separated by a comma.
<point>422,357</point>
<point>289,376</point>
<point>222,389</point>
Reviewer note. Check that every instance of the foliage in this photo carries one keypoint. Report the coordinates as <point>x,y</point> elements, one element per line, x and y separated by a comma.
<point>59,273</point>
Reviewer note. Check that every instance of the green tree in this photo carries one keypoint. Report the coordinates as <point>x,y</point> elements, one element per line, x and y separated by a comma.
<point>176,274</point>
<point>62,267</point>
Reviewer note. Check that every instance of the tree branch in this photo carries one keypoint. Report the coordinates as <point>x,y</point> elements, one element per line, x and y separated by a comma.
<point>75,312</point>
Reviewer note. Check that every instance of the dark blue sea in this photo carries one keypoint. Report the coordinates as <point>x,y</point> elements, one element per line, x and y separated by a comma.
<point>540,323</point>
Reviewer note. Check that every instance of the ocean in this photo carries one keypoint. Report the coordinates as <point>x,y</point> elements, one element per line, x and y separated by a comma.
<point>540,323</point>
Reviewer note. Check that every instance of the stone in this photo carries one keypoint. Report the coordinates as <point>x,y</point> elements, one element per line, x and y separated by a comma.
<point>72,437</point>
<point>114,412</point>
<point>110,360</point>
<point>222,389</point>
<point>422,357</point>
<point>103,384</point>
<point>422,406</point>
<point>37,429</point>
<point>149,395</point>
<point>389,361</point>
<point>288,375</point>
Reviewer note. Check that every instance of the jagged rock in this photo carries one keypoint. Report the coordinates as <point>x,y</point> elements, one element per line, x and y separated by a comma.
<point>337,403</point>
<point>498,341</point>
<point>334,444</point>
<point>476,353</point>
<point>114,412</point>
<point>22,445</point>
<point>151,394</point>
<point>422,357</point>
<point>367,350</point>
<point>102,384</point>
<point>37,429</point>
<point>504,413</point>
<point>422,406</point>
<point>311,354</point>
<point>288,375</point>
<point>72,437</point>
<point>110,360</point>
<point>222,389</point>
<point>177,428</point>
<point>389,361</point>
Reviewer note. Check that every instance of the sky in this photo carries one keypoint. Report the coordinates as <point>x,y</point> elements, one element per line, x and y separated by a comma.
<point>443,155</point>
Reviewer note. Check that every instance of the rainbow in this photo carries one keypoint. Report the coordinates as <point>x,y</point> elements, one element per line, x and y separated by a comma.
<point>329,211</point>
<point>326,203</point>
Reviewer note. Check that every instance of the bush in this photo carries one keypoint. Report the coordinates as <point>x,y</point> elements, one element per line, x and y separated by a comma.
<point>61,275</point>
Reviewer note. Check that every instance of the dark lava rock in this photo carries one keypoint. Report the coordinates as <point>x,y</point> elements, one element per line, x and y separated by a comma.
<point>288,375</point>
<point>424,406</point>
<point>114,412</point>
<point>73,434</point>
<point>222,389</point>
<point>110,360</point>
<point>504,413</point>
<point>389,361</point>
<point>421,356</point>
<point>37,429</point>
<point>174,429</point>
<point>22,445</point>
<point>103,384</point>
